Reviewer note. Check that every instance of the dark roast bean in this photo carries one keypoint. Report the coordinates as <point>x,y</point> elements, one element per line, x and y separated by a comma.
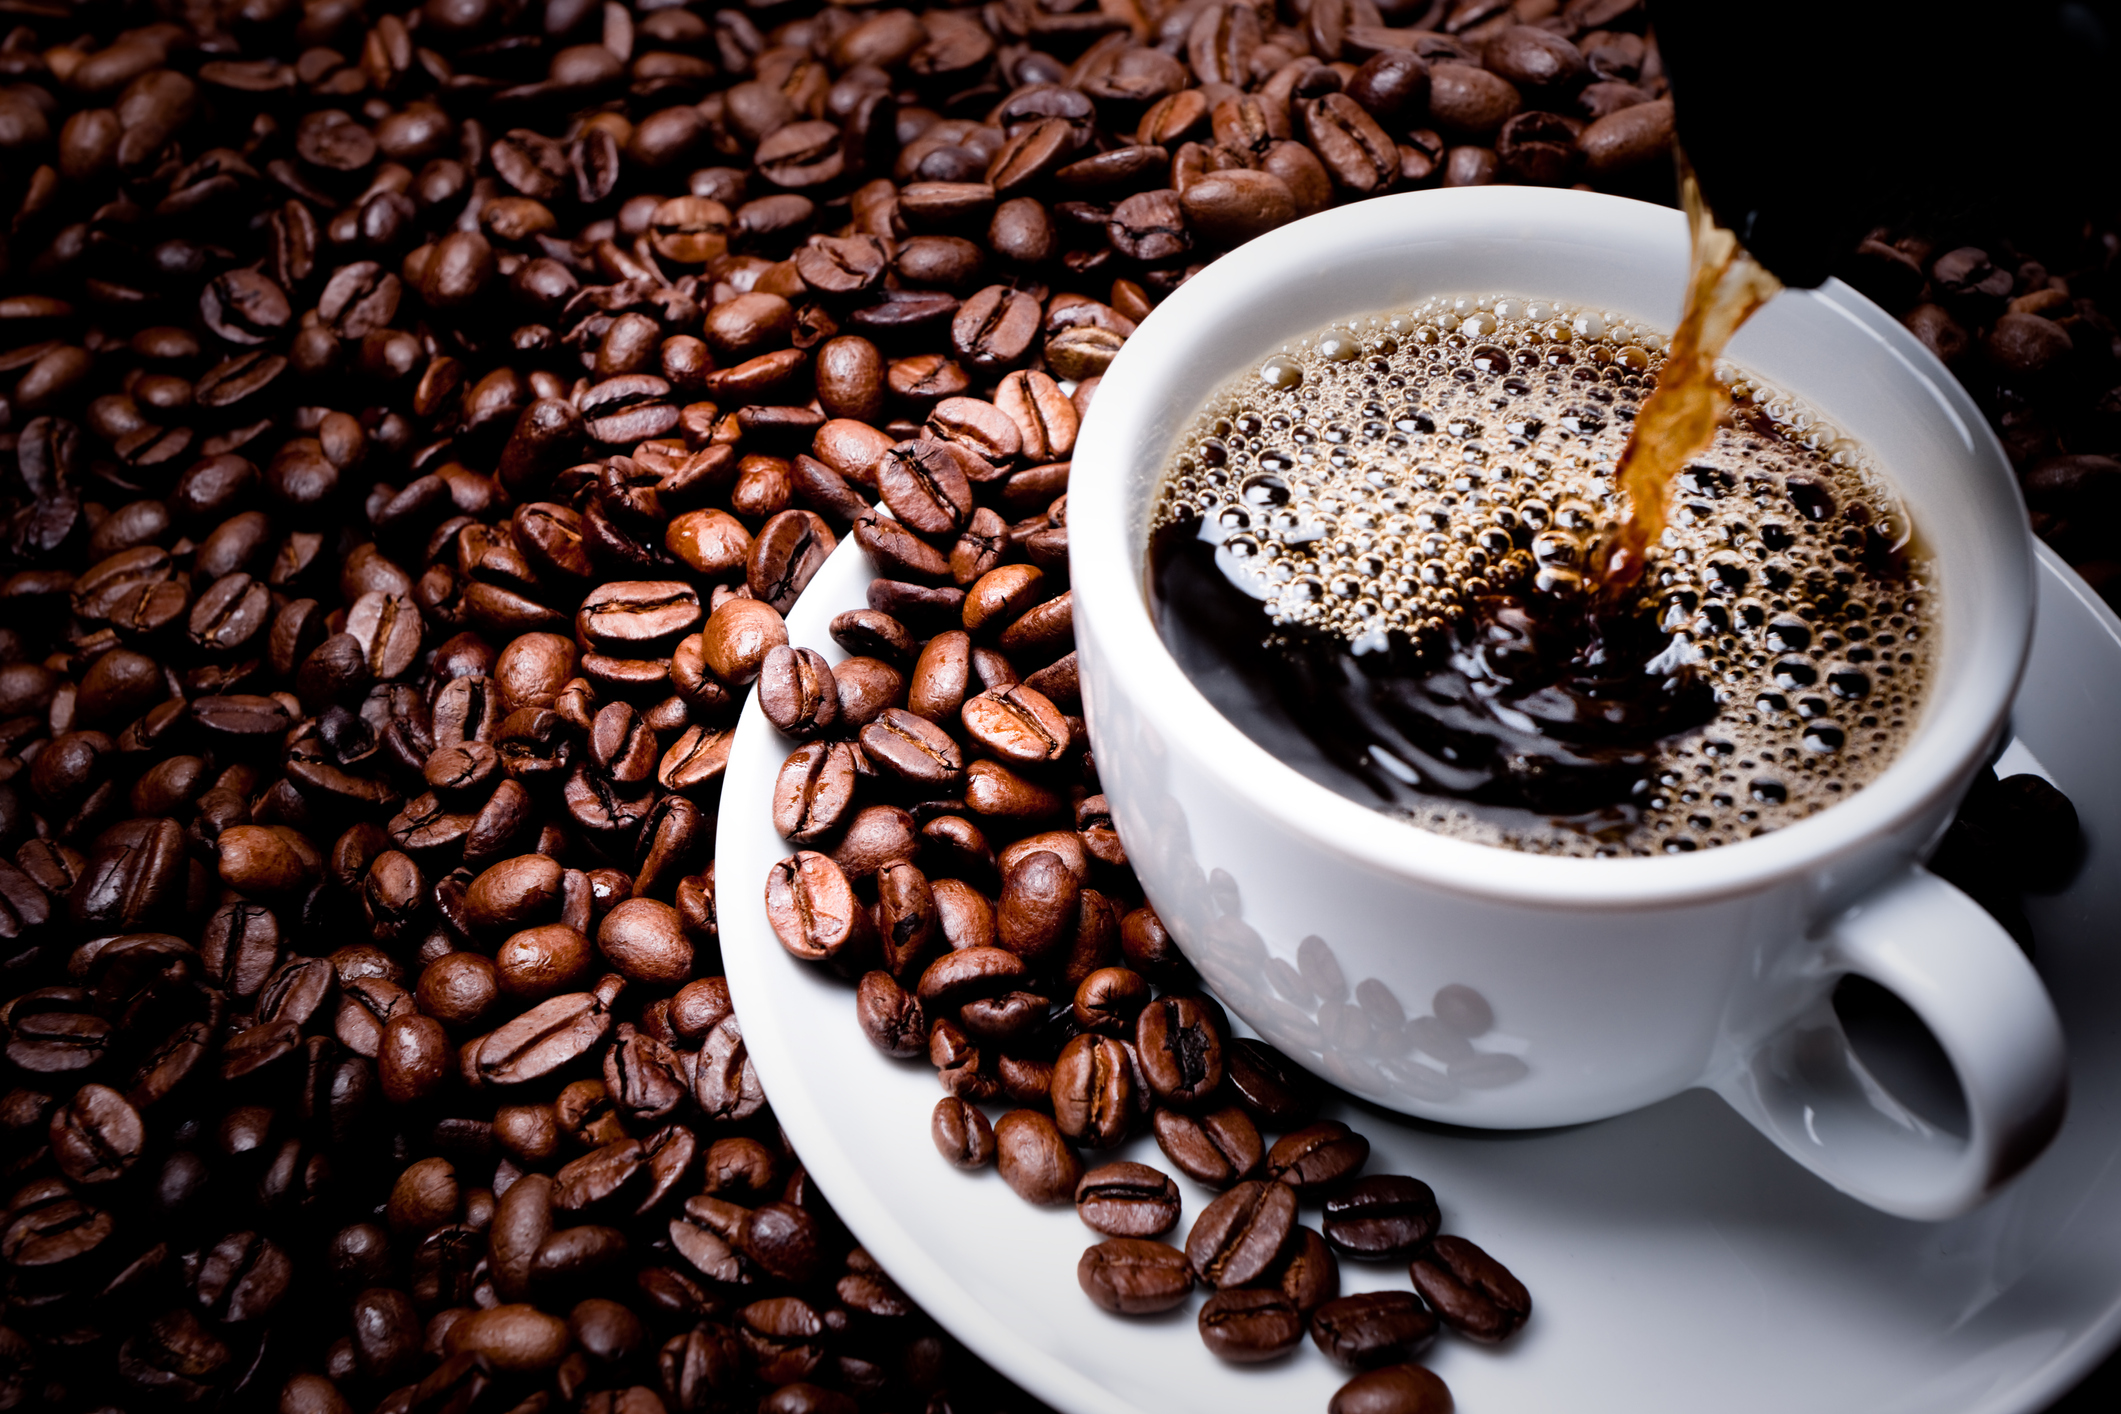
<point>812,907</point>
<point>1039,908</point>
<point>789,550</point>
<point>1310,1273</point>
<point>1246,1327</point>
<point>541,1040</point>
<point>1374,1328</point>
<point>1317,1157</point>
<point>797,691</point>
<point>1215,1149</point>
<point>1034,1159</point>
<point>961,1133</point>
<point>891,1017</point>
<point>97,1136</point>
<point>913,749</point>
<point>1241,1236</point>
<point>814,791</point>
<point>1133,1276</point>
<point>1181,1054</point>
<point>1472,1293</point>
<point>1395,1389</point>
<point>1384,1215</point>
<point>1093,1091</point>
<point>1127,1200</point>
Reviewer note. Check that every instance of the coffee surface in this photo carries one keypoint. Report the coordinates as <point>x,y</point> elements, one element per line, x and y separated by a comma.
<point>1372,553</point>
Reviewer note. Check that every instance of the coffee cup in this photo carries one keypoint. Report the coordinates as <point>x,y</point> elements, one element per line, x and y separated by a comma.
<point>1482,986</point>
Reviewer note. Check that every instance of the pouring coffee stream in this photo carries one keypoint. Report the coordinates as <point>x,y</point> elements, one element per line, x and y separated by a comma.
<point>1725,286</point>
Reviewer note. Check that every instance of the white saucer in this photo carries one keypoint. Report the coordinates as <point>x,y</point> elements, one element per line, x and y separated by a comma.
<point>1677,1261</point>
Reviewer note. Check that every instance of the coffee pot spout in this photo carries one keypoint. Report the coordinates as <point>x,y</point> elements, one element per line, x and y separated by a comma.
<point>1808,124</point>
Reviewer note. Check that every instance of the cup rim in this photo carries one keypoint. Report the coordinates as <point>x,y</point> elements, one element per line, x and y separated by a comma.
<point>1110,598</point>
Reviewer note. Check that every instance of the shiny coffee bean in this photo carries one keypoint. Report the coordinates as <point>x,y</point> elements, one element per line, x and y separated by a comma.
<point>1471,1292</point>
<point>1373,1328</point>
<point>1127,1200</point>
<point>1381,1216</point>
<point>1134,1276</point>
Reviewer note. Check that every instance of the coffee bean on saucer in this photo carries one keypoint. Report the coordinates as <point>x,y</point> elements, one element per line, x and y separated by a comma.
<point>1373,1328</point>
<point>1241,1236</point>
<point>1471,1292</point>
<point>1214,1149</point>
<point>962,1133</point>
<point>1317,1157</point>
<point>1395,1389</point>
<point>1127,1200</point>
<point>1035,1160</point>
<point>1135,1276</point>
<point>1381,1216</point>
<point>1310,1273</point>
<point>1246,1326</point>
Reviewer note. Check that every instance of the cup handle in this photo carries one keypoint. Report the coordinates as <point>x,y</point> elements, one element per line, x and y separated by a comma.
<point>1939,952</point>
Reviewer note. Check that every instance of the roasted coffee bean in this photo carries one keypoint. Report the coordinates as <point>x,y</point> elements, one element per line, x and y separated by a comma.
<point>962,1134</point>
<point>1395,1389</point>
<point>1094,1092</point>
<point>1034,1159</point>
<point>1317,1157</point>
<point>538,962</point>
<point>925,486</point>
<point>644,940</point>
<point>850,378</point>
<point>1181,1052</point>
<point>907,920</point>
<point>1108,999</point>
<point>913,750</point>
<point>727,1088</point>
<point>797,691</point>
<point>790,549</point>
<point>737,637</point>
<point>1310,1273</point>
<point>941,675</point>
<point>1246,1327</point>
<point>549,1035</point>
<point>813,908</point>
<point>1384,1215</point>
<point>1471,1292</point>
<point>994,328</point>
<point>1372,1329</point>
<point>1215,1149</point>
<point>891,1017</point>
<point>412,1058</point>
<point>1133,1276</point>
<point>814,791</point>
<point>1039,908</point>
<point>1241,1236</point>
<point>1017,724</point>
<point>97,1136</point>
<point>875,836</point>
<point>1127,1200</point>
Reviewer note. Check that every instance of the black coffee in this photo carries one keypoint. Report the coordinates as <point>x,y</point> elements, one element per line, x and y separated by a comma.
<point>1371,554</point>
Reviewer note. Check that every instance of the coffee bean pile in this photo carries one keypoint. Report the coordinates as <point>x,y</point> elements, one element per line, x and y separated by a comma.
<point>2029,319</point>
<point>940,770</point>
<point>413,422</point>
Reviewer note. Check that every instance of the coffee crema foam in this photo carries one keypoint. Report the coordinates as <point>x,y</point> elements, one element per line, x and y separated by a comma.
<point>1381,487</point>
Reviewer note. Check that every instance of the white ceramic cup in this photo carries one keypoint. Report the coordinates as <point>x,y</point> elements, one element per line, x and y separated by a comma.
<point>1543,990</point>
